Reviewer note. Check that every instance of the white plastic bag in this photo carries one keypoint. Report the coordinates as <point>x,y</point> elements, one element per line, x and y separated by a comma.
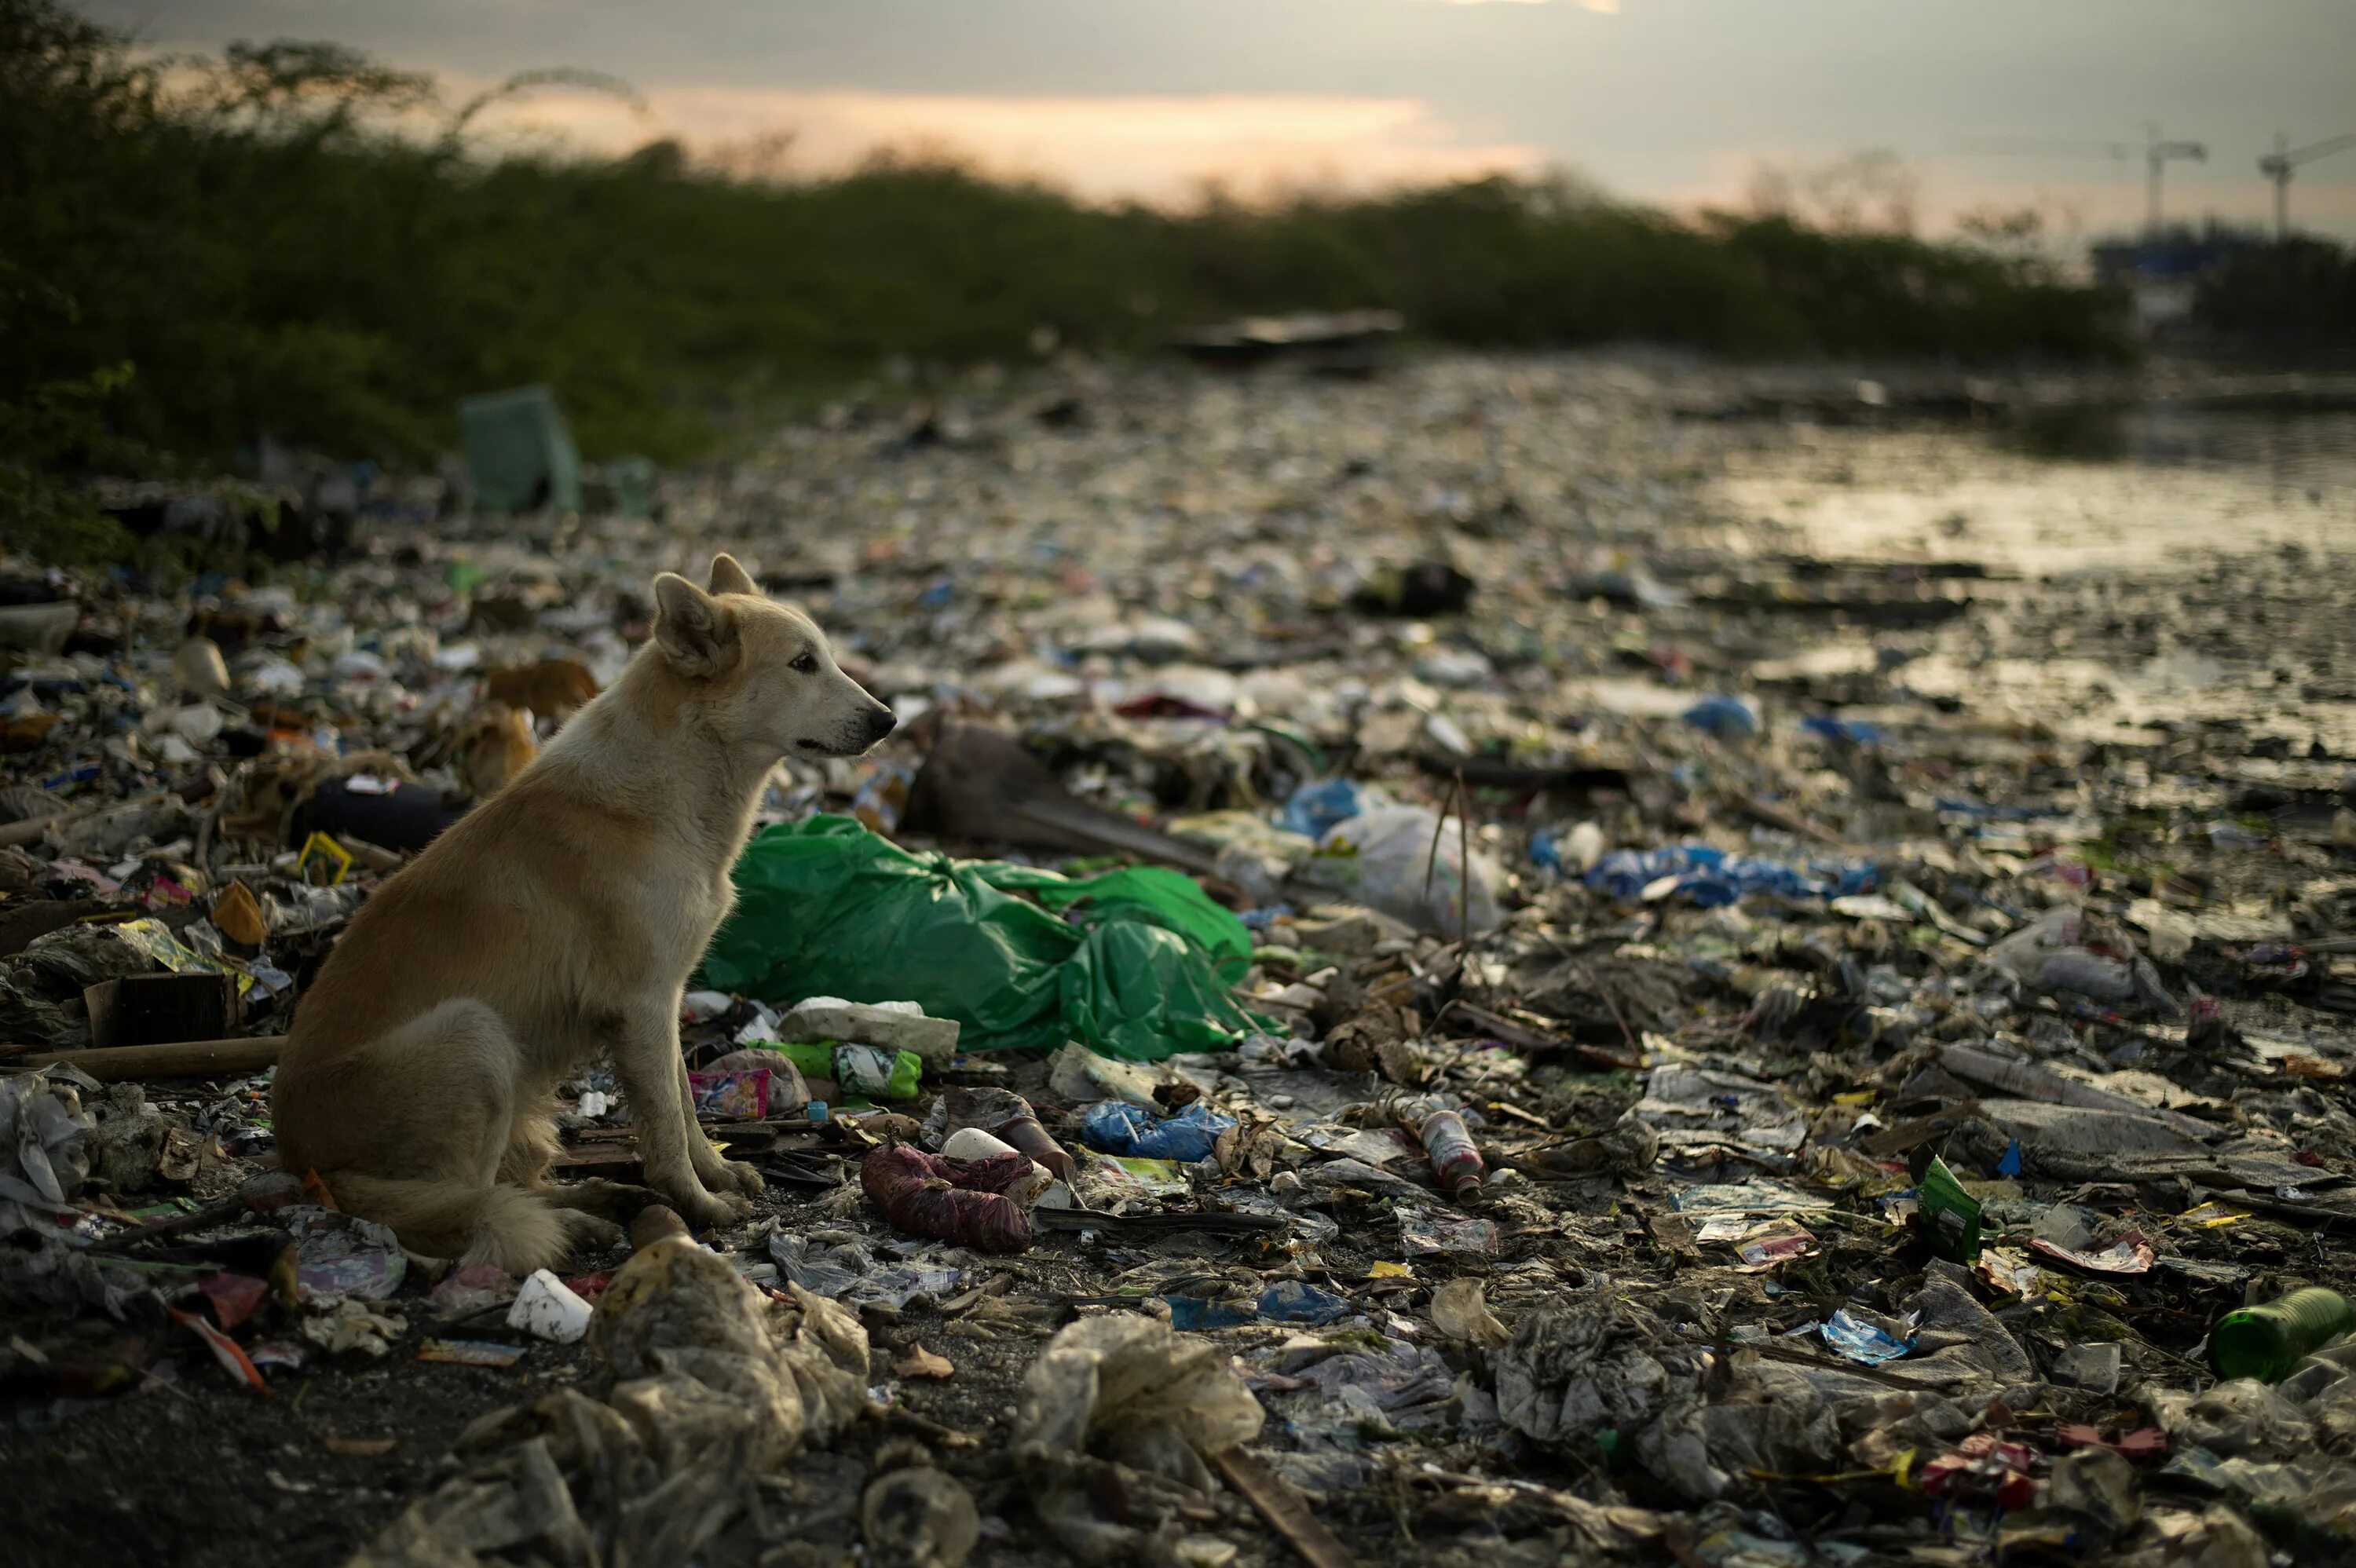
<point>1378,859</point>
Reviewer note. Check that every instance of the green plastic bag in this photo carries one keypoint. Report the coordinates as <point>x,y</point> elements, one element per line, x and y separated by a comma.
<point>824,908</point>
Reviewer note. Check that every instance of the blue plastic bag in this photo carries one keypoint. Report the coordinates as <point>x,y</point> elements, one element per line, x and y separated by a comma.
<point>1710,878</point>
<point>1855,731</point>
<point>1314,808</point>
<point>1116,1127</point>
<point>1723,716</point>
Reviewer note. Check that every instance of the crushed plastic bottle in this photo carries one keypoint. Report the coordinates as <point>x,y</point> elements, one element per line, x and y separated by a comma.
<point>1449,1145</point>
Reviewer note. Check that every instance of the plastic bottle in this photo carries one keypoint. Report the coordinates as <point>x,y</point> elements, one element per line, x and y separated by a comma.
<point>2265,1342</point>
<point>1450,1149</point>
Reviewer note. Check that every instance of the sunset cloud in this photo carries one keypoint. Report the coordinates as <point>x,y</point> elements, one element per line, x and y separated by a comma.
<point>1674,101</point>
<point>1151,147</point>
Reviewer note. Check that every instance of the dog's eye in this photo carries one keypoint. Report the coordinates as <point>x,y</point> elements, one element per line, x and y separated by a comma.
<point>804,664</point>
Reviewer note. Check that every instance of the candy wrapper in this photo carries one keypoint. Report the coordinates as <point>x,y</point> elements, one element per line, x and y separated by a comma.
<point>740,1096</point>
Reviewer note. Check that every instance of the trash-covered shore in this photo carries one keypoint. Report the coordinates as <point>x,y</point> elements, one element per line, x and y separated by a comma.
<point>1429,976</point>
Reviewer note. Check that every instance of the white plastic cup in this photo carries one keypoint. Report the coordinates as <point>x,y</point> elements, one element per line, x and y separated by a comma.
<point>547,1309</point>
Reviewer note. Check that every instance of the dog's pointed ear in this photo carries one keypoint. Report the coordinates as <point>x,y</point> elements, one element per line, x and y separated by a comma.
<point>696,632</point>
<point>727,577</point>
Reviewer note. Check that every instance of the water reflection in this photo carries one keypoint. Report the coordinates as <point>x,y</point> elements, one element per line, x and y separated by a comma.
<point>2307,441</point>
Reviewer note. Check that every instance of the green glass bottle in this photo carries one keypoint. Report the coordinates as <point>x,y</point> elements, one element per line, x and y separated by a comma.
<point>2265,1342</point>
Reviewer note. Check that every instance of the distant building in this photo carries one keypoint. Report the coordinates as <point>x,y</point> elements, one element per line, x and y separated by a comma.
<point>2163,272</point>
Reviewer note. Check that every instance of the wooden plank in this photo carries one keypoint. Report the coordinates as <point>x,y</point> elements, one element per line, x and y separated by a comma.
<point>181,1059</point>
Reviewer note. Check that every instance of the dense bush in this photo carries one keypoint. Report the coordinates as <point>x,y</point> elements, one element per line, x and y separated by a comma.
<point>2297,298</point>
<point>196,253</point>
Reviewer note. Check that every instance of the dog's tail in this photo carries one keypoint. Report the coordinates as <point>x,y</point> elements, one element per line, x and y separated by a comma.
<point>507,1226</point>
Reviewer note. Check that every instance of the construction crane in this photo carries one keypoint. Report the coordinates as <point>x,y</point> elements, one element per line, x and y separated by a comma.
<point>2277,166</point>
<point>2156,151</point>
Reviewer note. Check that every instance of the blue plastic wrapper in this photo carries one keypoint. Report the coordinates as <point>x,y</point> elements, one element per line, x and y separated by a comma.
<point>1862,1341</point>
<point>1710,878</point>
<point>1189,1313</point>
<point>1314,808</point>
<point>1981,811</point>
<point>1296,1301</point>
<point>1286,1301</point>
<point>1116,1127</point>
<point>1723,716</point>
<point>1855,732</point>
<point>1546,852</point>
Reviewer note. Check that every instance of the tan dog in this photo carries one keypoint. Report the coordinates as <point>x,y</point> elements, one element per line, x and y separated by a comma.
<point>552,689</point>
<point>493,745</point>
<point>556,923</point>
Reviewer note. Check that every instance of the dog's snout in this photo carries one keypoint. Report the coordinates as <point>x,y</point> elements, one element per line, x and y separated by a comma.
<point>881,721</point>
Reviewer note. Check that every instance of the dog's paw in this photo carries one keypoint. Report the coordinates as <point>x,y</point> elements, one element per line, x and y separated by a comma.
<point>710,1208</point>
<point>588,1233</point>
<point>734,1174</point>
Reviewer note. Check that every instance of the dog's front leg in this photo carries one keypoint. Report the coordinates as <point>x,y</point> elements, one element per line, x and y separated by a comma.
<point>654,1075</point>
<point>718,1174</point>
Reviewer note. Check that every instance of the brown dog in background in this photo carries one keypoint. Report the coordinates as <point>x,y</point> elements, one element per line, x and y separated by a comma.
<point>555,924</point>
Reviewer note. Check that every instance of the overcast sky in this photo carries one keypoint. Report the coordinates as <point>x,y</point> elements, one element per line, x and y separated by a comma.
<point>1679,102</point>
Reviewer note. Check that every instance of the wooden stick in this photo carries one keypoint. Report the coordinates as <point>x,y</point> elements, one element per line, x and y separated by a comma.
<point>31,828</point>
<point>1464,862</point>
<point>1463,854</point>
<point>1286,1510</point>
<point>181,1059</point>
<point>160,1230</point>
<point>1790,821</point>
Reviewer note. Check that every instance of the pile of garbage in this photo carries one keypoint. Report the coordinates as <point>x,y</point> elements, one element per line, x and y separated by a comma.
<point>1395,997</point>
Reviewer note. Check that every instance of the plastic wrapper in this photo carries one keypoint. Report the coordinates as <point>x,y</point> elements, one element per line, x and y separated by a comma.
<point>957,1200</point>
<point>1286,1301</point>
<point>739,1096</point>
<point>1863,1341</point>
<point>1428,1232</point>
<point>847,1271</point>
<point>1950,1217</point>
<point>868,1072</point>
<point>342,1255</point>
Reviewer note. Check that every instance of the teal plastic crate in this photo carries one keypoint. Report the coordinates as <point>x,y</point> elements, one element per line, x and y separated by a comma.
<point>520,452</point>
